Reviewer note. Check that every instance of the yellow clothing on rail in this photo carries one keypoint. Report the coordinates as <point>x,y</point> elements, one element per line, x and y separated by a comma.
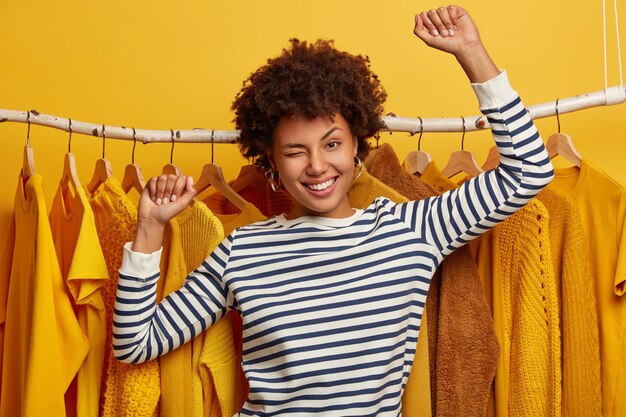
<point>44,344</point>
<point>601,202</point>
<point>84,270</point>
<point>127,390</point>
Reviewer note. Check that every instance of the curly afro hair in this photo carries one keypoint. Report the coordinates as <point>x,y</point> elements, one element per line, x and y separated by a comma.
<point>308,80</point>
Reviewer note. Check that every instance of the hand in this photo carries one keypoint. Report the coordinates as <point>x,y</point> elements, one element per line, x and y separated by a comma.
<point>449,29</point>
<point>162,198</point>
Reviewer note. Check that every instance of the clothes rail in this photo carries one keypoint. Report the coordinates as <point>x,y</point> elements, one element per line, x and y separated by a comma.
<point>607,97</point>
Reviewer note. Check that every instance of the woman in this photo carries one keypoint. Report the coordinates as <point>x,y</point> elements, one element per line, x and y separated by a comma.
<point>331,297</point>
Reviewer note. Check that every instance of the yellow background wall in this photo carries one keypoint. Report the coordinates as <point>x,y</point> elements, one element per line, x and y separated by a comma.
<point>161,65</point>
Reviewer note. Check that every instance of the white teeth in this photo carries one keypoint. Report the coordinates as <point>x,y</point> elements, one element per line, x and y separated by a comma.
<point>322,186</point>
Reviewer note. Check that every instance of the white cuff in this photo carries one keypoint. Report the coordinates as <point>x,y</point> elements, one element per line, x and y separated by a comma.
<point>495,92</point>
<point>140,265</point>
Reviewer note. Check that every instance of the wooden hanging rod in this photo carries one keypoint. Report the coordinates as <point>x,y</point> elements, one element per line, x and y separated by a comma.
<point>607,97</point>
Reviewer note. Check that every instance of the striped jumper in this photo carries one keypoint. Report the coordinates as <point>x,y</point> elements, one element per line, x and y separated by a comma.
<point>332,307</point>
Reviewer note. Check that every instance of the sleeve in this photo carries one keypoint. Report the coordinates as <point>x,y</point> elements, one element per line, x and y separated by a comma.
<point>620,268</point>
<point>454,218</point>
<point>143,329</point>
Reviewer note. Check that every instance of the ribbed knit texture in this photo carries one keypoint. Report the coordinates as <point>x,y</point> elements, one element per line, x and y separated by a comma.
<point>217,367</point>
<point>189,238</point>
<point>466,345</point>
<point>128,390</point>
<point>217,374</point>
<point>531,337</point>
<point>252,185</point>
<point>601,203</point>
<point>582,394</point>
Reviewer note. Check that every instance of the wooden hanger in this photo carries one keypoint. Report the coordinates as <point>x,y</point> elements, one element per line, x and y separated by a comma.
<point>28,162</point>
<point>69,175</point>
<point>212,175</point>
<point>562,144</point>
<point>462,161</point>
<point>171,169</point>
<point>493,158</point>
<point>133,178</point>
<point>102,171</point>
<point>417,161</point>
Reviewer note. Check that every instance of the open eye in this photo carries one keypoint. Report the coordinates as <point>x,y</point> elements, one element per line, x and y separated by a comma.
<point>333,144</point>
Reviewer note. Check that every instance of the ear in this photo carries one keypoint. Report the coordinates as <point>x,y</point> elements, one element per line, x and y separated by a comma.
<point>355,143</point>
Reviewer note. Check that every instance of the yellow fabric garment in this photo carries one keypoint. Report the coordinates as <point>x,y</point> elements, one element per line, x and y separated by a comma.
<point>601,202</point>
<point>250,214</point>
<point>127,390</point>
<point>84,270</point>
<point>217,359</point>
<point>417,402</point>
<point>190,237</point>
<point>45,345</point>
<point>582,394</point>
<point>6,259</point>
<point>509,257</point>
<point>531,349</point>
<point>432,176</point>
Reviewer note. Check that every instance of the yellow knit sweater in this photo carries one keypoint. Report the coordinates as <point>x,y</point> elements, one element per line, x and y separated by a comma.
<point>127,389</point>
<point>531,350</point>
<point>190,237</point>
<point>582,395</point>
<point>218,375</point>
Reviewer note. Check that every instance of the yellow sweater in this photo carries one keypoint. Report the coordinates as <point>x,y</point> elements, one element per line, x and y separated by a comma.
<point>601,203</point>
<point>582,394</point>
<point>218,372</point>
<point>531,349</point>
<point>84,270</point>
<point>190,237</point>
<point>127,389</point>
<point>44,344</point>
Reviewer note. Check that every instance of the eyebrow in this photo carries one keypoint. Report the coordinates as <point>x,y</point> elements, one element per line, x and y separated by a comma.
<point>299,145</point>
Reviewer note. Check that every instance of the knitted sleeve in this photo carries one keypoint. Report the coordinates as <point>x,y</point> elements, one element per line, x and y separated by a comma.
<point>143,329</point>
<point>454,218</point>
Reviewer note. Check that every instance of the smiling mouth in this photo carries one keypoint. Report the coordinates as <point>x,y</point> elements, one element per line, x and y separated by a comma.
<point>321,186</point>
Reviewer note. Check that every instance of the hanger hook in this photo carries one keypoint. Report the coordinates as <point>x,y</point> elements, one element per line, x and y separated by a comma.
<point>172,150</point>
<point>69,141</point>
<point>28,131</point>
<point>132,158</point>
<point>558,119</point>
<point>463,137</point>
<point>104,138</point>
<point>419,138</point>
<point>212,145</point>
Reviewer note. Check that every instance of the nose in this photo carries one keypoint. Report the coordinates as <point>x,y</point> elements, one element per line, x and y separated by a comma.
<point>317,164</point>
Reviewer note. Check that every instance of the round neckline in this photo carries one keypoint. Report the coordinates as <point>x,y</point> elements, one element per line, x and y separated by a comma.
<point>320,221</point>
<point>563,174</point>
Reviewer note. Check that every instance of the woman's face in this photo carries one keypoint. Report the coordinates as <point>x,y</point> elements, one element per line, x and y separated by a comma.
<point>315,161</point>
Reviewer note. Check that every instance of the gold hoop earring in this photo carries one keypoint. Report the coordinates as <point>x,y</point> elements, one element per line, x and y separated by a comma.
<point>359,163</point>
<point>272,175</point>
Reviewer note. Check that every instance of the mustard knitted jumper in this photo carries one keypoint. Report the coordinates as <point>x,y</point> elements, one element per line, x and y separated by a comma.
<point>218,375</point>
<point>531,349</point>
<point>189,238</point>
<point>127,389</point>
<point>582,394</point>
